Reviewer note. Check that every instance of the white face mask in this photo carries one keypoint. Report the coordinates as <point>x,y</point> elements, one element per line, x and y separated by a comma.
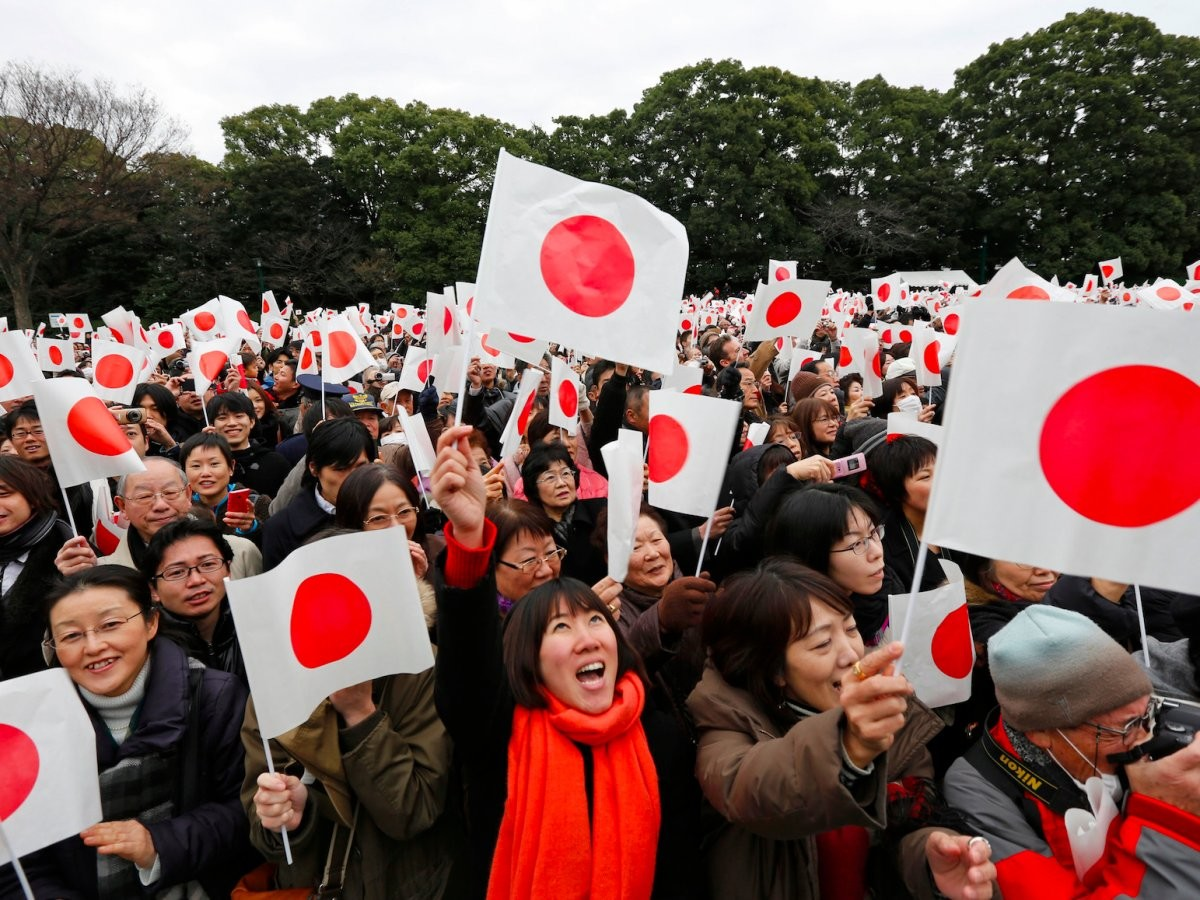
<point>909,406</point>
<point>1112,783</point>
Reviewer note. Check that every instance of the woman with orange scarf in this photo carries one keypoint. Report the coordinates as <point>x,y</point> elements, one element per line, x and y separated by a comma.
<point>561,749</point>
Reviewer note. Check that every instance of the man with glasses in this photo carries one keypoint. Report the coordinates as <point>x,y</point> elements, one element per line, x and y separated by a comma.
<point>151,500</point>
<point>24,428</point>
<point>1072,701</point>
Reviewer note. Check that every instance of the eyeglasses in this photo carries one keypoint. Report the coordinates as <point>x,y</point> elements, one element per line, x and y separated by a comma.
<point>822,419</point>
<point>563,476</point>
<point>22,433</point>
<point>143,497</point>
<point>206,566</point>
<point>1145,722</point>
<point>533,563</point>
<point>859,547</point>
<point>72,639</point>
<point>384,519</point>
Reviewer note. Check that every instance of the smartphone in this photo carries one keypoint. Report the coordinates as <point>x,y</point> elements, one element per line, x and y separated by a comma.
<point>187,385</point>
<point>849,465</point>
<point>239,501</point>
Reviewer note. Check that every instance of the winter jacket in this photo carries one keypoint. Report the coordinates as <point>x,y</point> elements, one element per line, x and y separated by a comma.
<point>222,653</point>
<point>22,607</point>
<point>1151,852</point>
<point>260,468</point>
<point>1119,620</point>
<point>394,767</point>
<point>292,526</point>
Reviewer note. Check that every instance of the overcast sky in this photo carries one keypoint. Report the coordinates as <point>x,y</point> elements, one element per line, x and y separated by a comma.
<point>523,61</point>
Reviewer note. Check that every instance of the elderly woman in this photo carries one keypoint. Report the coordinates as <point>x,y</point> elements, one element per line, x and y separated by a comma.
<point>167,750</point>
<point>575,778</point>
<point>814,753</point>
<point>551,481</point>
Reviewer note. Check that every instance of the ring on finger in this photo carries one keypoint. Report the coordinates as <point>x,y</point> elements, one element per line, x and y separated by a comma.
<point>979,838</point>
<point>858,672</point>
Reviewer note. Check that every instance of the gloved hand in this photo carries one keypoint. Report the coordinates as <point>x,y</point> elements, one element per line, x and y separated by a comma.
<point>682,603</point>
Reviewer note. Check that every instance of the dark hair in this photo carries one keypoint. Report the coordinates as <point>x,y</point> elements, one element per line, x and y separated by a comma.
<point>810,520</point>
<point>359,489</point>
<point>891,387</point>
<point>803,414</point>
<point>515,517</point>
<point>538,462</point>
<point>772,458</point>
<point>233,402</point>
<point>207,441</point>
<point>894,461</point>
<point>131,581</point>
<point>339,444</point>
<point>526,626</point>
<point>728,383</point>
<point>253,384</point>
<point>634,395</point>
<point>539,426</point>
<point>164,401</point>
<point>596,372</point>
<point>335,408</point>
<point>846,380</point>
<point>749,624</point>
<point>26,412</point>
<point>32,483</point>
<point>180,530</point>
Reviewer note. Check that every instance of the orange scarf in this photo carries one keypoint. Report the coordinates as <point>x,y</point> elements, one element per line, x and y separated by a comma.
<point>547,848</point>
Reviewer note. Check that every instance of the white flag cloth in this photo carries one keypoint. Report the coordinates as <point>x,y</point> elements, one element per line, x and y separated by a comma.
<point>351,612</point>
<point>418,366</point>
<point>450,369</point>
<point>586,265</point>
<point>781,270</point>
<point>441,322</point>
<point>274,329</point>
<point>51,788</point>
<point>420,445</point>
<point>1164,294</point>
<point>237,324</point>
<point>522,410</point>
<point>19,369</point>
<point>860,353</point>
<point>207,360</point>
<point>684,379</point>
<point>786,309</point>
<point>623,459</point>
<point>940,653</point>
<point>901,424</point>
<point>564,396</point>
<point>84,438</point>
<point>204,322</point>
<point>1111,270</point>
<point>482,349</point>
<point>464,294</point>
<point>800,357</point>
<point>116,370</point>
<point>122,322</point>
<point>1046,489</point>
<point>690,440</point>
<point>54,355</point>
<point>269,306</point>
<point>343,354</point>
<point>165,340</point>
<point>520,346</point>
<point>926,356</point>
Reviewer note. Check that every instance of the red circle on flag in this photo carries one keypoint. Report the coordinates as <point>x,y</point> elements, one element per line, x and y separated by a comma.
<point>424,367</point>
<point>587,265</point>
<point>1166,292</point>
<point>211,364</point>
<point>1106,271</point>
<point>20,762</point>
<point>685,325</point>
<point>244,320</point>
<point>885,291</point>
<point>401,313</point>
<point>668,448</point>
<point>1187,307</point>
<point>471,305</point>
<point>885,336</point>
<point>782,274</point>
<point>526,412</point>
<point>306,359</point>
<point>55,354</point>
<point>696,389</point>
<point>520,338</point>
<point>113,371</point>
<point>488,348</point>
<point>165,339</point>
<point>6,370</point>
<point>341,350</point>
<point>931,357</point>
<point>417,328</point>
<point>316,337</point>
<point>877,364</point>
<point>205,321</point>
<point>1093,416</point>
<point>568,398</point>
<point>331,617</point>
<point>266,308</point>
<point>1028,292</point>
<point>904,336</point>
<point>845,357</point>
<point>276,331</point>
<point>783,309</point>
<point>447,320</point>
<point>78,320</point>
<point>116,336</point>
<point>950,323</point>
<point>951,644</point>
<point>95,429</point>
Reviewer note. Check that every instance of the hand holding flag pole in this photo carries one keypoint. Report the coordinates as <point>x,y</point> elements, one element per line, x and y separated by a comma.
<point>287,847</point>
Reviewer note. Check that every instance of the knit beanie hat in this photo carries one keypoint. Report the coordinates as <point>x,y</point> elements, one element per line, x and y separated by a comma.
<point>804,384</point>
<point>1054,668</point>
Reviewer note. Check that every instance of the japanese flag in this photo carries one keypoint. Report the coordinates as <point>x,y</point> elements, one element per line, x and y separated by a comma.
<point>204,322</point>
<point>781,270</point>
<point>420,444</point>
<point>487,354</point>
<point>344,355</point>
<point>1111,270</point>
<point>404,316</point>
<point>685,379</point>
<point>19,369</point>
<point>165,340</point>
<point>623,459</point>
<point>1015,282</point>
<point>926,356</point>
<point>84,438</point>
<point>207,360</point>
<point>50,788</point>
<point>441,323</point>
<point>334,614</point>
<point>116,370</point>
<point>950,321</point>
<point>886,292</point>
<point>270,306</point>
<point>418,366</point>
<point>940,654</point>
<point>901,424</point>
<point>55,355</point>
<point>786,309</point>
<point>109,529</point>
<point>123,324</point>
<point>690,439</point>
<point>78,323</point>
<point>274,329</point>
<point>522,347</point>
<point>1164,294</point>
<point>522,411</point>
<point>464,292</point>
<point>564,396</point>
<point>860,353</point>
<point>586,265</point>
<point>57,320</point>
<point>238,325</point>
<point>1049,488</point>
<point>308,363</point>
<point>801,356</point>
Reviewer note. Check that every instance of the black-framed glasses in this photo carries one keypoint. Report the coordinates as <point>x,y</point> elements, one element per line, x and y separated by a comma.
<point>385,519</point>
<point>179,572</point>
<point>531,564</point>
<point>1145,722</point>
<point>72,639</point>
<point>859,547</point>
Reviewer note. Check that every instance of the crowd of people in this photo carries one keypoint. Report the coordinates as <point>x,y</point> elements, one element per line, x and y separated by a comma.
<point>727,721</point>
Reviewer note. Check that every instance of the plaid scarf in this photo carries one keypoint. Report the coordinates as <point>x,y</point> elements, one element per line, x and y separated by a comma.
<point>138,787</point>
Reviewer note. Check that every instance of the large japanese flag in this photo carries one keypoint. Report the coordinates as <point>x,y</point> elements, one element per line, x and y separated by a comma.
<point>204,322</point>
<point>926,356</point>
<point>940,653</point>
<point>586,265</point>
<point>623,462</point>
<point>522,410</point>
<point>781,270</point>
<point>54,355</point>
<point>1111,270</point>
<point>1050,487</point>
<point>690,439</point>
<point>78,323</point>
<point>344,354</point>
<point>564,396</point>
<point>333,614</point>
<point>887,292</point>
<point>49,786</point>
<point>685,379</point>
<point>116,370</point>
<point>786,308</point>
<point>84,438</point>
<point>19,369</point>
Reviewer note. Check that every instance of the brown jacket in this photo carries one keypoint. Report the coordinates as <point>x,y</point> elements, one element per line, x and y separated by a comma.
<point>778,790</point>
<point>395,765</point>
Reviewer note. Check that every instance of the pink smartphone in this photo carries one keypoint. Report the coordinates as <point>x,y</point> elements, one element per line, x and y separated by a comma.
<point>849,465</point>
<point>239,501</point>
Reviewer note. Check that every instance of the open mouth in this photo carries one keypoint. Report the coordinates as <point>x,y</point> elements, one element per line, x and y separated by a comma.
<point>591,675</point>
<point>102,665</point>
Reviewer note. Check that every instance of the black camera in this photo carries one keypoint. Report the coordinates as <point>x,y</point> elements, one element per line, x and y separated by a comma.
<point>1174,728</point>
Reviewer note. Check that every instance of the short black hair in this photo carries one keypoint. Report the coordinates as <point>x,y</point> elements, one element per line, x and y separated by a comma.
<point>205,440</point>
<point>811,519</point>
<point>233,402</point>
<point>895,461</point>
<point>335,408</point>
<point>338,444</point>
<point>131,581</point>
<point>180,530</point>
<point>538,462</point>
